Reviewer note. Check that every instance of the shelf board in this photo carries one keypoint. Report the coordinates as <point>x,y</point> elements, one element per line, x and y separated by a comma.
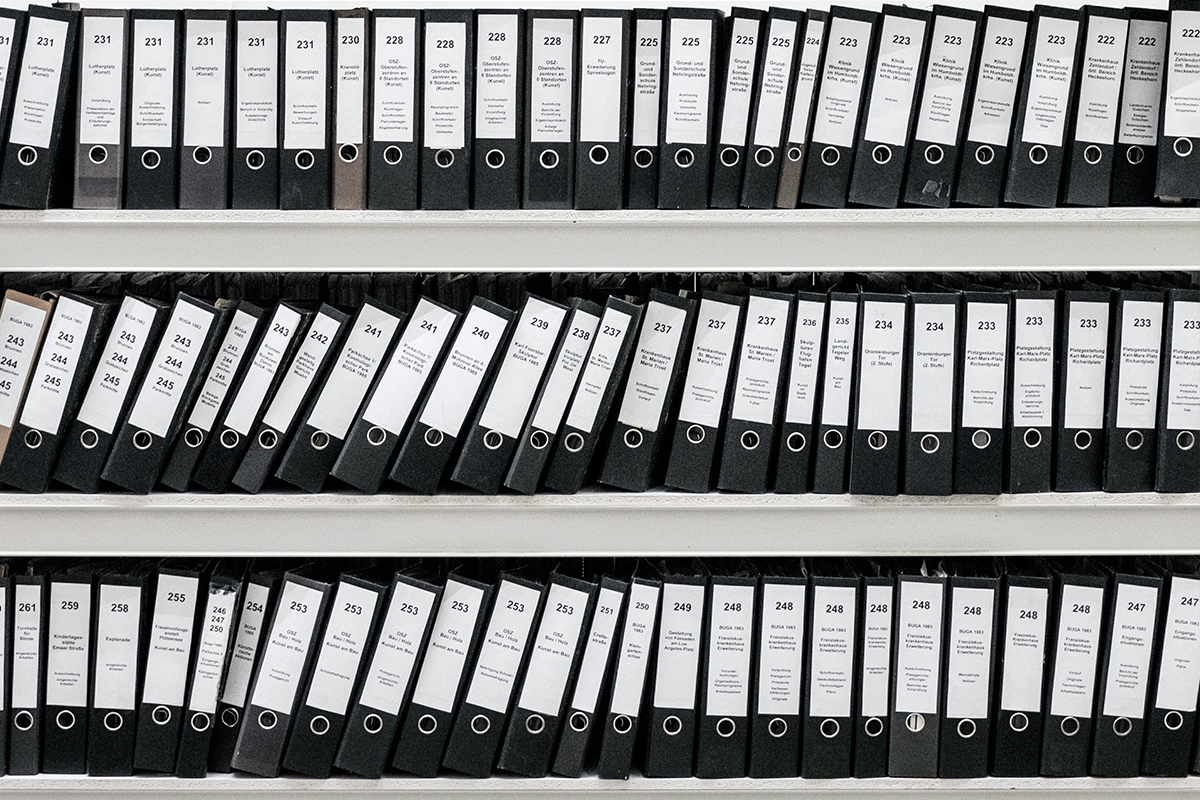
<point>805,239</point>
<point>596,523</point>
<point>225,786</point>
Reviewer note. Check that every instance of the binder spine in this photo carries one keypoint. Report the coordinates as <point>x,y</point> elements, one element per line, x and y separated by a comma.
<point>26,721</point>
<point>99,151</point>
<point>254,135</point>
<point>306,44</point>
<point>1032,377</point>
<point>1135,157</point>
<point>645,108</point>
<point>801,102</point>
<point>603,108</point>
<point>1178,467</point>
<point>966,694</point>
<point>1025,646</point>
<point>785,40</point>
<point>931,389</point>
<point>445,168</point>
<point>832,439</point>
<point>673,695</point>
<point>551,94</point>
<point>155,81</point>
<point>1178,174</point>
<point>879,396</point>
<point>983,393</point>
<point>794,452</point>
<point>1131,436</point>
<point>204,156</point>
<point>781,645</point>
<point>743,48</point>
<point>394,125</point>
<point>828,729</point>
<point>639,632</point>
<point>351,100</point>
<point>500,122</point>
<point>872,699</point>
<point>916,714</point>
<point>723,728</point>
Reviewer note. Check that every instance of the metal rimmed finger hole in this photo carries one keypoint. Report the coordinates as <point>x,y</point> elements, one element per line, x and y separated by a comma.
<point>1185,440</point>
<point>1083,439</point>
<point>535,724</point>
<point>23,720</point>
<point>267,720</point>
<point>1038,154</point>
<point>151,159</point>
<point>255,160</point>
<point>695,434</point>
<point>65,719</point>
<point>98,154</point>
<point>830,728</point>
<point>598,154</point>
<point>579,722</point>
<point>1069,726</point>
<point>193,437</point>
<point>730,156</point>
<point>376,436</point>
<point>915,722</point>
<point>633,438</point>
<point>548,159</point>
<point>1173,720</point>
<point>89,439</point>
<point>764,156</point>
<point>539,439</point>
<point>934,154</point>
<point>796,441</point>
<point>319,725</point>
<point>622,724</point>
<point>930,443</point>
<point>1018,721</point>
<point>230,438</point>
<point>1135,155</point>
<point>113,721</point>
<point>881,154</point>
<point>33,439</point>
<point>27,156</point>
<point>1122,726</point>
<point>749,440</point>
<point>830,156</point>
<point>493,439</point>
<point>480,724</point>
<point>202,155</point>
<point>684,158</point>
<point>966,728</point>
<point>573,442</point>
<point>268,439</point>
<point>1032,437</point>
<point>873,727</point>
<point>305,159</point>
<point>672,725</point>
<point>433,437</point>
<point>142,440</point>
<point>1182,147</point>
<point>1134,440</point>
<point>392,155</point>
<point>833,439</point>
<point>372,723</point>
<point>726,727</point>
<point>1092,154</point>
<point>427,724</point>
<point>643,158</point>
<point>348,153</point>
<point>230,717</point>
<point>494,158</point>
<point>795,153</point>
<point>200,722</point>
<point>319,440</point>
<point>981,439</point>
<point>444,158</point>
<point>777,727</point>
<point>877,440</point>
<point>985,154</point>
<point>161,715</point>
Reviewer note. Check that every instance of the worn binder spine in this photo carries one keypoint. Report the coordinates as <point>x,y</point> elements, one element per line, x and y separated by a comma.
<point>645,89</point>
<point>448,79</point>
<point>254,110</point>
<point>155,111</point>
<point>551,94</point>
<point>500,122</point>
<point>1178,174</point>
<point>1032,374</point>
<point>982,392</point>
<point>351,99</point>
<point>794,452</point>
<point>784,31</point>
<point>603,108</point>
<point>932,390</point>
<point>1178,465</point>
<point>1131,429</point>
<point>204,156</point>
<point>742,50</point>
<point>800,108</point>
<point>306,54</point>
<point>875,444</point>
<point>100,109</point>
<point>832,436</point>
<point>1135,157</point>
<point>916,713</point>
<point>394,119</point>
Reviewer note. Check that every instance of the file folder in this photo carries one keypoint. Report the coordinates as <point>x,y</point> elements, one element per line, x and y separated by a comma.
<point>1178,172</point>
<point>916,718</point>
<point>671,719</point>
<point>1047,95</point>
<point>6,618</point>
<point>395,110</point>
<point>304,97</point>
<point>932,393</point>
<point>751,430</point>
<point>784,29</point>
<point>26,721</point>
<point>956,36</point>
<point>778,677</point>
<point>879,400</point>
<point>254,165</point>
<point>983,380</point>
<point>1135,158</point>
<point>828,736</point>
<point>1031,412</point>
<point>12,37</point>
<point>1178,467</point>
<point>705,394</point>
<point>794,453</point>
<point>100,108</point>
<point>832,440</point>
<point>29,176</point>
<point>969,674</point>
<point>741,53</point>
<point>23,320</point>
<point>1079,457</point>
<point>1171,719</point>
<point>551,94</point>
<point>723,725</point>
<point>350,102</point>
<point>873,698</point>
<point>604,70</point>
<point>1022,657</point>
<point>68,655</point>
<point>155,78</point>
<point>993,101</point>
<point>691,42</point>
<point>1132,420</point>
<point>498,145</point>
<point>893,91</point>
<point>445,168</point>
<point>121,619</point>
<point>204,160</point>
<point>791,170</point>
<point>645,102</point>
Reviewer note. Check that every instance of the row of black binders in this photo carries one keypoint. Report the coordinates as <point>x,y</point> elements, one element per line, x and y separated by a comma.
<point>599,109</point>
<point>725,668</point>
<point>885,384</point>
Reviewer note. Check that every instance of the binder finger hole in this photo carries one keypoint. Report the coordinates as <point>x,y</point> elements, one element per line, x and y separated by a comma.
<point>193,437</point>
<point>643,158</point>
<point>672,725</point>
<point>1135,155</point>
<point>113,721</point>
<point>98,154</point>
<point>726,727</point>
<point>142,440</point>
<point>985,154</point>
<point>830,156</point>
<point>877,440</point>
<point>1122,726</point>
<point>1038,154</point>
<point>444,158</point>
<point>535,724</point>
<point>1185,440</point>
<point>348,153</point>
<point>480,724</point>
<point>492,440</point>
<point>433,437</point>
<point>392,155</point>
<point>1182,147</point>
<point>65,720</point>
<point>684,158</point>
<point>202,155</point>
<point>427,724</point>
<point>934,154</point>
<point>749,440</point>
<point>151,159</point>
<point>267,720</point>
<point>23,720</point>
<point>981,439</point>
<point>161,715</point>
<point>494,158</point>
<point>548,159</point>
<point>200,722</point>
<point>1018,722</point>
<point>539,439</point>
<point>1092,154</point>
<point>319,725</point>
<point>1134,440</point>
<point>33,439</point>
<point>1173,720</point>
<point>230,717</point>
<point>633,438</point>
<point>777,727</point>
<point>966,728</point>
<point>268,440</point>
<point>1069,726</point>
<point>376,435</point>
<point>794,153</point>
<point>319,440</point>
<point>1032,438</point>
<point>622,724</point>
<point>881,154</point>
<point>915,722</point>
<point>764,156</point>
<point>372,723</point>
<point>598,154</point>
<point>89,439</point>
<point>833,439</point>
<point>695,434</point>
<point>730,157</point>
<point>873,727</point>
<point>1083,440</point>
<point>830,728</point>
<point>579,722</point>
<point>230,438</point>
<point>930,443</point>
<point>573,442</point>
<point>255,160</point>
<point>27,156</point>
<point>305,160</point>
<point>796,441</point>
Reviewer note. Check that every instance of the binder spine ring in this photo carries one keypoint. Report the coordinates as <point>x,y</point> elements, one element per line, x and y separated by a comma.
<point>376,436</point>
<point>830,728</point>
<point>268,439</point>
<point>934,154</point>
<point>749,440</point>
<point>915,722</point>
<point>830,156</point>
<point>579,722</point>
<point>319,440</point>
<point>873,727</point>
<point>695,434</point>
<point>622,724</point>
<point>684,157</point>
<point>777,727</point>
<point>931,443</point>
<point>764,156</point>
<point>494,158</point>
<point>433,437</point>
<point>1182,147</point>
<point>200,722</point>
<point>796,441</point>
<point>1173,720</point>
<point>795,152</point>
<point>65,719</point>
<point>877,440</point>
<point>392,155</point>
<point>202,155</point>
<point>981,439</point>
<point>1018,721</point>
<point>230,717</point>
<point>493,439</point>
<point>23,720</point>
<point>151,159</point>
<point>643,158</point>
<point>726,727</point>
<point>348,153</point>
<point>633,438</point>
<point>33,439</point>
<point>161,715</point>
<point>113,721</point>
<point>230,438</point>
<point>535,724</point>
<point>1069,726</point>
<point>193,437</point>
<point>1038,154</point>
<point>319,725</point>
<point>444,158</point>
<point>539,439</point>
<point>833,439</point>
<point>372,723</point>
<point>1135,154</point>
<point>142,440</point>
<point>1185,440</point>
<point>1083,440</point>
<point>672,725</point>
<point>1122,726</point>
<point>480,724</point>
<point>984,154</point>
<point>548,159</point>
<point>1134,440</point>
<point>27,155</point>
<point>98,154</point>
<point>730,157</point>
<point>1092,154</point>
<point>427,724</point>
<point>598,154</point>
<point>966,728</point>
<point>881,154</point>
<point>89,439</point>
<point>305,160</point>
<point>267,720</point>
<point>255,160</point>
<point>1032,438</point>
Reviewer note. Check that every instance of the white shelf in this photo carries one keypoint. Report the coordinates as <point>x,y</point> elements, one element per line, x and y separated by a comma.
<point>596,524</point>
<point>223,787</point>
<point>952,239</point>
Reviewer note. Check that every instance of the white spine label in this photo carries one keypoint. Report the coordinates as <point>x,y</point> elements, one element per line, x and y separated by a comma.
<point>1141,98</point>
<point>1024,648</point>
<point>897,63</point>
<point>945,80</point>
<point>503,645</point>
<point>496,76</point>
<point>780,649</point>
<point>652,367</point>
<point>27,646</point>
<point>806,355</point>
<point>806,81</point>
<point>351,79</point>
<point>341,653</point>
<point>933,342</point>
<point>919,647</point>
<point>689,81</point>
<point>411,366</point>
<point>1074,679</point>
<point>614,327</point>
<point>601,79</point>
<point>739,81</point>
<point>274,343</point>
<point>996,81</point>
<point>69,644</point>
<point>101,79</point>
<point>36,100</point>
<point>171,370</point>
<point>679,633</point>
<point>709,363</point>
<point>354,371</point>
<point>225,364</point>
<point>776,79</point>
<point>564,375</point>
<point>521,370</point>
<point>114,374</point>
<point>1181,111</point>
<point>462,373</point>
<point>245,646</point>
<point>152,84</point>
<point>840,95</point>
<point>595,654</point>
<point>1179,667</point>
<point>1033,363</point>
<point>57,363</point>
<point>760,360</point>
<point>832,647</point>
<point>305,85</point>
<point>1183,387</point>
<point>257,83</point>
<point>302,372</point>
<point>877,651</point>
<point>445,88</point>
<point>984,366</point>
<point>446,656</point>
<point>118,639</point>
<point>1100,84</point>
<point>1141,349</point>
<point>553,650</point>
<point>633,659</point>
<point>395,82</point>
<point>21,327</point>
<point>1133,628</point>
<point>730,631</point>
<point>552,62</point>
<point>839,362</point>
<point>1087,365</point>
<point>880,390</point>
<point>286,648</point>
<point>397,649</point>
<point>170,640</point>
<point>647,73</point>
<point>1050,81</point>
<point>204,83</point>
<point>969,658</point>
<point>212,649</point>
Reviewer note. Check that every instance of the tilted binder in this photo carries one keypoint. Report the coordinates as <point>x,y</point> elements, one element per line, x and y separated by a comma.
<point>394,119</point>
<point>1079,455</point>
<point>784,29</point>
<point>1178,467</point>
<point>351,99</point>
<point>916,710</point>
<point>498,139</point>
<point>1034,354</point>
<point>932,393</point>
<point>1131,430</point>
<point>620,721</point>
<point>1171,718</point>
<point>100,108</point>
<point>305,91</point>
<point>875,446</point>
<point>741,51</point>
<point>448,80</point>
<point>23,322</point>
<point>832,435</point>
<point>646,98</point>
<point>794,452</point>
<point>1135,158</point>
<point>204,156</point>
<point>778,677</point>
<point>551,93</point>
<point>603,113</point>
<point>1178,172</point>
<point>983,382</point>
<point>800,108</point>
<point>155,78</point>
<point>254,110</point>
